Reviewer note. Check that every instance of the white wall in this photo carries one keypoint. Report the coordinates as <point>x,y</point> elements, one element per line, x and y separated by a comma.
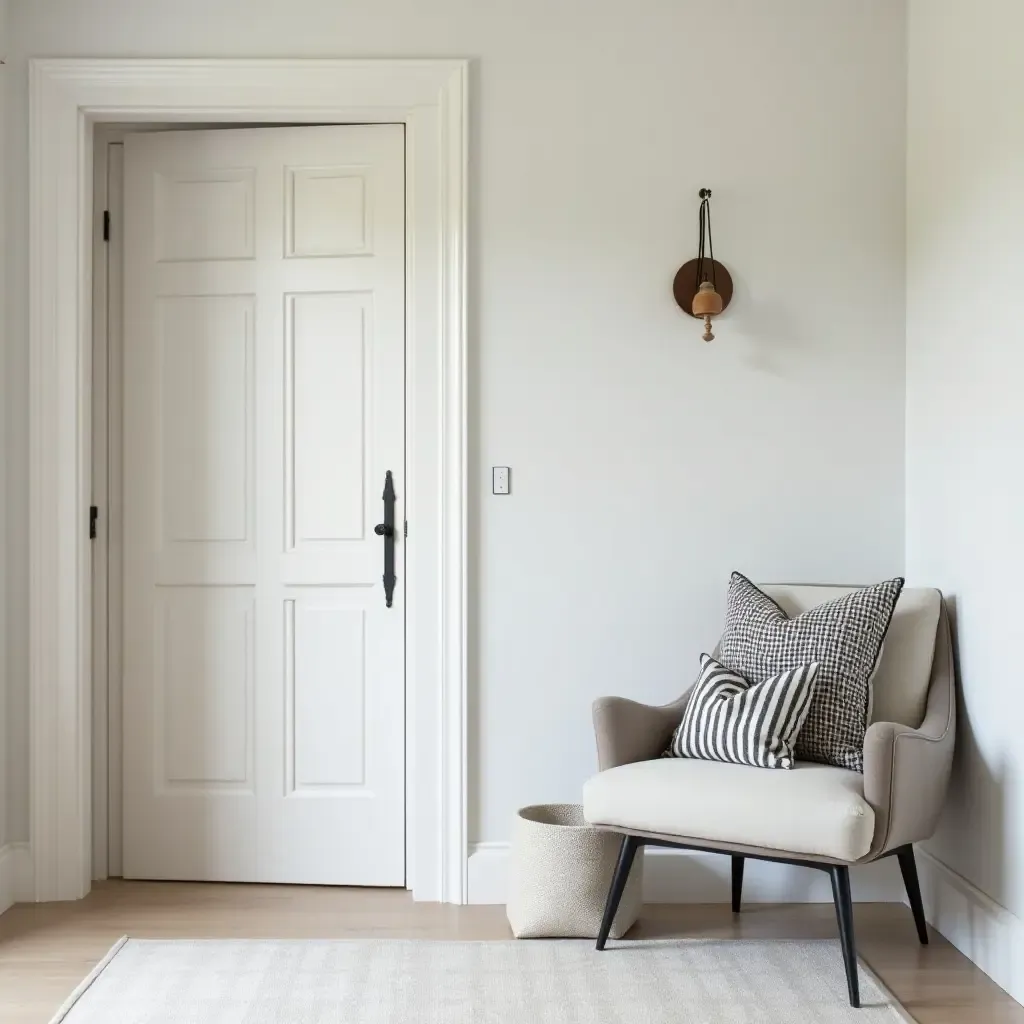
<point>6,776</point>
<point>965,426</point>
<point>645,464</point>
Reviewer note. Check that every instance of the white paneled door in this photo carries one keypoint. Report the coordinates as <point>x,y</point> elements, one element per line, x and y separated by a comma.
<point>264,403</point>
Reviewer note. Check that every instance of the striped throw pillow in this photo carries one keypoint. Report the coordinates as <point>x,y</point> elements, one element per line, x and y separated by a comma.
<point>730,719</point>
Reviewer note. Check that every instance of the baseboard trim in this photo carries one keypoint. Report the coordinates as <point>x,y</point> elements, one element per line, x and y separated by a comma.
<point>988,934</point>
<point>690,876</point>
<point>15,875</point>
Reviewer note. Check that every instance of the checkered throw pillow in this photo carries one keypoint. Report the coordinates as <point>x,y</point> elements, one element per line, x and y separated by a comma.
<point>730,719</point>
<point>843,636</point>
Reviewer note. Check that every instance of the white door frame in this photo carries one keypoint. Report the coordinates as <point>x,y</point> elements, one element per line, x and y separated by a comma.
<point>68,98</point>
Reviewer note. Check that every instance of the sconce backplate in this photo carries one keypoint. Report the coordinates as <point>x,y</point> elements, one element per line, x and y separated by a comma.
<point>684,287</point>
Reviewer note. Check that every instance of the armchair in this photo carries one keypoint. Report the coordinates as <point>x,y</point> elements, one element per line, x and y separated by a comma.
<point>814,815</point>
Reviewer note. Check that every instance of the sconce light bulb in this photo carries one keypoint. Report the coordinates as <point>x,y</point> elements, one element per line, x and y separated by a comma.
<point>708,336</point>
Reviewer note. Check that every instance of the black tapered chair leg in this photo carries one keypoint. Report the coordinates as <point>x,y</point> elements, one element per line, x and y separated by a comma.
<point>840,876</point>
<point>737,882</point>
<point>630,844</point>
<point>908,868</point>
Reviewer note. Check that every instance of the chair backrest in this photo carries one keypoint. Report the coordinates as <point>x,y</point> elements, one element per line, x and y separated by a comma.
<point>903,674</point>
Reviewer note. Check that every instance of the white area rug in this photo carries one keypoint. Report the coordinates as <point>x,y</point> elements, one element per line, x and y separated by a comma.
<point>392,981</point>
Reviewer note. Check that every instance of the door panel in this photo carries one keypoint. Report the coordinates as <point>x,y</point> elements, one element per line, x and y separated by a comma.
<point>205,353</point>
<point>325,417</point>
<point>324,642</point>
<point>264,402</point>
<point>204,688</point>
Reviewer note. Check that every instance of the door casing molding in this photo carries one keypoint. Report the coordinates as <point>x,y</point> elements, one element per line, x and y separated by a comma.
<point>67,99</point>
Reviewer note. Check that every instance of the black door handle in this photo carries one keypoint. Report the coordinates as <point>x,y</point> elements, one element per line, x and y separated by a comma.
<point>387,531</point>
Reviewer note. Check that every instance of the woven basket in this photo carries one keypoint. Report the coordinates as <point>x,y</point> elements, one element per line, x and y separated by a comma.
<point>560,873</point>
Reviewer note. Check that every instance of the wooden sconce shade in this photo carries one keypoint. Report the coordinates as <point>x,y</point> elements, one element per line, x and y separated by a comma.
<point>684,287</point>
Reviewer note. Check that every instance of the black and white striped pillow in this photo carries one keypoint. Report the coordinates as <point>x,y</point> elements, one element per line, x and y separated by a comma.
<point>730,719</point>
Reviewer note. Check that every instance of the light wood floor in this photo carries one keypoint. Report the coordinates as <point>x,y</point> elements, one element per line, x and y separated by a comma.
<point>45,950</point>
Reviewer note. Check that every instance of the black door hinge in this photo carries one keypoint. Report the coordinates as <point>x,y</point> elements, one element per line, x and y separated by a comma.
<point>406,532</point>
<point>94,514</point>
<point>106,225</point>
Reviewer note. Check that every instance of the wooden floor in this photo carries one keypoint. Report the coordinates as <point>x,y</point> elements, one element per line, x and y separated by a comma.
<point>45,950</point>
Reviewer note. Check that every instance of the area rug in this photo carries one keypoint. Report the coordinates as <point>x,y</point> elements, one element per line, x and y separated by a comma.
<point>392,981</point>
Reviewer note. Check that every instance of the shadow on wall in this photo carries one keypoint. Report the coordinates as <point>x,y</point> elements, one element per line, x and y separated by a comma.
<point>674,877</point>
<point>971,837</point>
<point>773,339</point>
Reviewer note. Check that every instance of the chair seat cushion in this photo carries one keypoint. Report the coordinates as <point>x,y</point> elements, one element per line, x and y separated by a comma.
<point>815,809</point>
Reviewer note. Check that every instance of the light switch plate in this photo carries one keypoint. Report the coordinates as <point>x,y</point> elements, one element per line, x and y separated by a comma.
<point>501,480</point>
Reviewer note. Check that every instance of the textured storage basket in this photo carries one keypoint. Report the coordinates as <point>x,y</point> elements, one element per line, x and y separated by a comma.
<point>560,873</point>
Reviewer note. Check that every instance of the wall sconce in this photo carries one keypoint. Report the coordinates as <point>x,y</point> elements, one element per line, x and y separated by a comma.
<point>703,287</point>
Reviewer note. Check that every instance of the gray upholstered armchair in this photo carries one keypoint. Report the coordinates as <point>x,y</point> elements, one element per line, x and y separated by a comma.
<point>814,815</point>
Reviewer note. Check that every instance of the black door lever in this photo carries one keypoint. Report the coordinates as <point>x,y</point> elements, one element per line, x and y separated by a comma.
<point>387,531</point>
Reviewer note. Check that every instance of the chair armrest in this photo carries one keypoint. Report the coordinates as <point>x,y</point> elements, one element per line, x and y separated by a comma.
<point>906,771</point>
<point>628,731</point>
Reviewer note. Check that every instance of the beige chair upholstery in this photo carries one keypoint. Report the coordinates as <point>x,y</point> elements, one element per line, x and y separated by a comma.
<point>817,815</point>
<point>906,761</point>
<point>737,805</point>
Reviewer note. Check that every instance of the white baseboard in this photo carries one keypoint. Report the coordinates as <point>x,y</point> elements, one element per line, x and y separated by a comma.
<point>985,932</point>
<point>487,869</point>
<point>680,876</point>
<point>15,875</point>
